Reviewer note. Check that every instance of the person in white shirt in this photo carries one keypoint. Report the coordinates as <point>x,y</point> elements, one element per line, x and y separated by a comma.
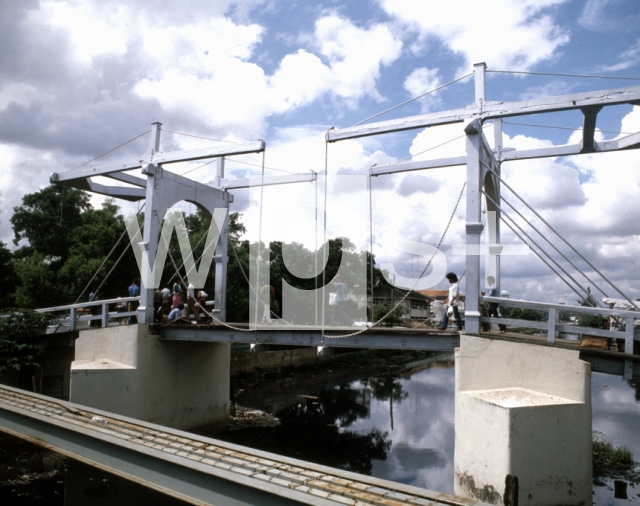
<point>452,302</point>
<point>191,303</point>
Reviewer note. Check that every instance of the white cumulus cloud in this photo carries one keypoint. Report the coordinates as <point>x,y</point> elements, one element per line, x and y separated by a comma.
<point>507,35</point>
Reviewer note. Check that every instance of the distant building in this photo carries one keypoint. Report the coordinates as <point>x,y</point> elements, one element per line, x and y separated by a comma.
<point>417,305</point>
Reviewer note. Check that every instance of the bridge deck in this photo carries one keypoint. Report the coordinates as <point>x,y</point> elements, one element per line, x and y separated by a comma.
<point>193,468</point>
<point>610,362</point>
<point>301,335</point>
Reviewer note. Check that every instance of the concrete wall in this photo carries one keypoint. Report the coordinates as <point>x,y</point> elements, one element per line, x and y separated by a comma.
<point>522,411</point>
<point>129,371</point>
<point>58,364</point>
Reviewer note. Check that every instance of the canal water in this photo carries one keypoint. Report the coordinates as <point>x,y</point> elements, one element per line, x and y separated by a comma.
<point>397,425</point>
<point>400,426</point>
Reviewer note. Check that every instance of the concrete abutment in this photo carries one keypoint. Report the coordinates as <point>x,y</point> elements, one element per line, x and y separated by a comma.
<point>523,416</point>
<point>131,371</point>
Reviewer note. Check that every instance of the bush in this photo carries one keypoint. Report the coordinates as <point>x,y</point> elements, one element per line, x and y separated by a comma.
<point>591,320</point>
<point>394,319</point>
<point>607,457</point>
<point>19,329</point>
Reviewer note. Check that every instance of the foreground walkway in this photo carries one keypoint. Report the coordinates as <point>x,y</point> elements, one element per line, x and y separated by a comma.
<point>193,468</point>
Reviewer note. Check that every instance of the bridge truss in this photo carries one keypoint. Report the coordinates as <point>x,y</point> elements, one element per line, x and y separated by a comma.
<point>483,162</point>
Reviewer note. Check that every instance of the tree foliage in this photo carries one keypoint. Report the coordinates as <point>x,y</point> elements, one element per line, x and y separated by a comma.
<point>66,241</point>
<point>593,321</point>
<point>19,330</point>
<point>46,219</point>
<point>517,313</point>
<point>396,318</point>
<point>8,277</point>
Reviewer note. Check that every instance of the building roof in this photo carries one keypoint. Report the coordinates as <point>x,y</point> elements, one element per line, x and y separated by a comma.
<point>438,294</point>
<point>385,292</point>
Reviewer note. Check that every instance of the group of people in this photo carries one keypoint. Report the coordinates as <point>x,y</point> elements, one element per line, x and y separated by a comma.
<point>452,303</point>
<point>121,306</point>
<point>168,305</point>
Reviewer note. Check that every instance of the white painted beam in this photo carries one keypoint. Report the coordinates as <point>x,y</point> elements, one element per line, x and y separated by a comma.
<point>234,184</point>
<point>629,142</point>
<point>551,151</point>
<point>378,170</point>
<point>199,154</point>
<point>119,192</point>
<point>98,170</point>
<point>157,158</point>
<point>128,178</point>
<point>493,110</point>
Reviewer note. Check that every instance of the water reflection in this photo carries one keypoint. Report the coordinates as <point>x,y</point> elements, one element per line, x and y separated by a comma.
<point>387,387</point>
<point>315,428</point>
<point>616,413</point>
<point>398,425</point>
<point>403,424</point>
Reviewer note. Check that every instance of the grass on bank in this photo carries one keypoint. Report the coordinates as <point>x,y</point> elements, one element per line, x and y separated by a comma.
<point>609,458</point>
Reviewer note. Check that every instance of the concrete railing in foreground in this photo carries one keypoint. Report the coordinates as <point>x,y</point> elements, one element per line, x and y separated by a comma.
<point>193,468</point>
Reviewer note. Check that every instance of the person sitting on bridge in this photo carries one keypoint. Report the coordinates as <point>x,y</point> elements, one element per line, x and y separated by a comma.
<point>452,302</point>
<point>175,316</point>
<point>166,301</point>
<point>157,305</point>
<point>201,300</point>
<point>177,297</point>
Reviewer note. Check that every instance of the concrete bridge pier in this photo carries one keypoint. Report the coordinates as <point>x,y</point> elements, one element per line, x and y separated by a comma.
<point>522,424</point>
<point>130,371</point>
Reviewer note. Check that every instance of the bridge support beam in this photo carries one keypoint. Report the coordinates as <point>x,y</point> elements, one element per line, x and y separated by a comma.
<point>132,372</point>
<point>523,424</point>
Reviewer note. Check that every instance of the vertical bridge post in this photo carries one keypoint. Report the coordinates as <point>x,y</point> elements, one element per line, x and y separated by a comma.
<point>473,226</point>
<point>151,230</point>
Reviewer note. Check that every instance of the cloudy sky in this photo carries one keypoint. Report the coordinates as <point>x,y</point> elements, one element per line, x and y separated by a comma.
<point>79,77</point>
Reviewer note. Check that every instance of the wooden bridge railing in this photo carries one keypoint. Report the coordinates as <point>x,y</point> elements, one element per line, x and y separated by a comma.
<point>554,323</point>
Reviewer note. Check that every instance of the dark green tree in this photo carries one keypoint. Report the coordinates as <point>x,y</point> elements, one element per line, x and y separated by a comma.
<point>522,314</point>
<point>19,350</point>
<point>8,277</point>
<point>593,321</point>
<point>67,241</point>
<point>47,220</point>
<point>396,318</point>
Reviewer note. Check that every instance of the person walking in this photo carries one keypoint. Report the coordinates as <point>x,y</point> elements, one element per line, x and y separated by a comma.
<point>267,296</point>
<point>452,302</point>
<point>339,313</point>
<point>134,291</point>
<point>95,310</point>
<point>492,291</point>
